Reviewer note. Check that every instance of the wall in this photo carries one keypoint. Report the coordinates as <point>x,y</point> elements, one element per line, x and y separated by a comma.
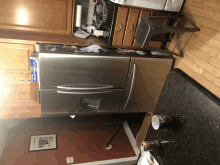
<point>5,126</point>
<point>81,140</point>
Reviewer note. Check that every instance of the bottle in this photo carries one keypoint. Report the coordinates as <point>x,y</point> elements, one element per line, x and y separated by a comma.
<point>155,145</point>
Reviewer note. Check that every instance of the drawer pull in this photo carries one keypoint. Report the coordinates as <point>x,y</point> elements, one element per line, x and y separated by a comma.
<point>132,27</point>
<point>121,27</point>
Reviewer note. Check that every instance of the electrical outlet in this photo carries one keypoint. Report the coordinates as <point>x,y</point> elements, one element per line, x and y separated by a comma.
<point>69,160</point>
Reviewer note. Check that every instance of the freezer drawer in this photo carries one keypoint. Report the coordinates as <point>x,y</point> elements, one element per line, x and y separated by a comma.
<point>67,69</point>
<point>145,82</point>
<point>69,102</point>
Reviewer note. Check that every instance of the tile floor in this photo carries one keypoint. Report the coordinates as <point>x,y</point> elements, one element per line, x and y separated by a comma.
<point>201,50</point>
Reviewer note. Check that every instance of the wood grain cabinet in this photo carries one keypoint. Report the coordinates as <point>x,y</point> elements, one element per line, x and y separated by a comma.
<point>131,27</point>
<point>16,86</point>
<point>45,16</point>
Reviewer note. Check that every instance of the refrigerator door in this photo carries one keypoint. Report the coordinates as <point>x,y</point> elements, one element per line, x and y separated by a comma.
<point>146,79</point>
<point>57,70</point>
<point>81,84</point>
<point>61,102</point>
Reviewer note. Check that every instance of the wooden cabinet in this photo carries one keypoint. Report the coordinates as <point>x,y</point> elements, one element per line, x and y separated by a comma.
<point>47,16</point>
<point>120,25</point>
<point>15,78</point>
<point>131,27</point>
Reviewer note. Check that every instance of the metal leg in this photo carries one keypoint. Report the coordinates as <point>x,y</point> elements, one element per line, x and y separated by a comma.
<point>177,42</point>
<point>113,136</point>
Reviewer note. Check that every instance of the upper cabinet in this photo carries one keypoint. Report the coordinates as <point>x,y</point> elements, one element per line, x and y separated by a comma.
<point>45,16</point>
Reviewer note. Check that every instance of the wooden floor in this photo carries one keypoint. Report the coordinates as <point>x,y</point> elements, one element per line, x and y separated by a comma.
<point>201,50</point>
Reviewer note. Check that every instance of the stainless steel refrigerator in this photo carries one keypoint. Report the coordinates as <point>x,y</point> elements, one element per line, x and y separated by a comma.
<point>94,83</point>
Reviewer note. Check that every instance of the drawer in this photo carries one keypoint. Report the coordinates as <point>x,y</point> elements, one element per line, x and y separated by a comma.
<point>120,25</point>
<point>131,27</point>
<point>142,14</point>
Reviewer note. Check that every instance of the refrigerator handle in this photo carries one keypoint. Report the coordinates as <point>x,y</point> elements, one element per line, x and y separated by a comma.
<point>131,88</point>
<point>83,93</point>
<point>84,87</point>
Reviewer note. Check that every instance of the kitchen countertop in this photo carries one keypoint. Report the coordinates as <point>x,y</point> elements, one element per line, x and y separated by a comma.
<point>196,113</point>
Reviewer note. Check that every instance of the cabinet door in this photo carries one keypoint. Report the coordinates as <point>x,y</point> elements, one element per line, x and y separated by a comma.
<point>145,82</point>
<point>15,74</point>
<point>131,27</point>
<point>120,25</point>
<point>47,16</point>
<point>15,58</point>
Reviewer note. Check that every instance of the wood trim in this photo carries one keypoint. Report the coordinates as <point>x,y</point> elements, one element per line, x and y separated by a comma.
<point>144,129</point>
<point>17,41</point>
<point>69,17</point>
<point>33,38</point>
<point>73,16</point>
<point>43,31</point>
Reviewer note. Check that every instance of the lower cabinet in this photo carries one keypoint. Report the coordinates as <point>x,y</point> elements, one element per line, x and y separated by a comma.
<point>17,90</point>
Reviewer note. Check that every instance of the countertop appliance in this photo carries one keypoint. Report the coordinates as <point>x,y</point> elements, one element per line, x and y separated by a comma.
<point>168,5</point>
<point>97,18</point>
<point>90,83</point>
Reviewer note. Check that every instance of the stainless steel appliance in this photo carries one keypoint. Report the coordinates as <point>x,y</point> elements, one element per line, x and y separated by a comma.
<point>145,82</point>
<point>168,5</point>
<point>88,83</point>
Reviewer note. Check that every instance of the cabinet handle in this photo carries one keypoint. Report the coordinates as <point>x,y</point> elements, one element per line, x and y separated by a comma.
<point>132,27</point>
<point>121,27</point>
<point>26,80</point>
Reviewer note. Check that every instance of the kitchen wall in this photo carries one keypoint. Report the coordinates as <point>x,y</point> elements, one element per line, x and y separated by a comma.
<point>201,50</point>
<point>5,126</point>
<point>82,140</point>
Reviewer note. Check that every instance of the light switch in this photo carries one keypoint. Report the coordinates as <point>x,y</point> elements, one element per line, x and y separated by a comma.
<point>69,160</point>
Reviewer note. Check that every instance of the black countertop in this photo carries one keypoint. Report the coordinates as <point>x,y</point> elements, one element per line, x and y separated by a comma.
<point>196,130</point>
